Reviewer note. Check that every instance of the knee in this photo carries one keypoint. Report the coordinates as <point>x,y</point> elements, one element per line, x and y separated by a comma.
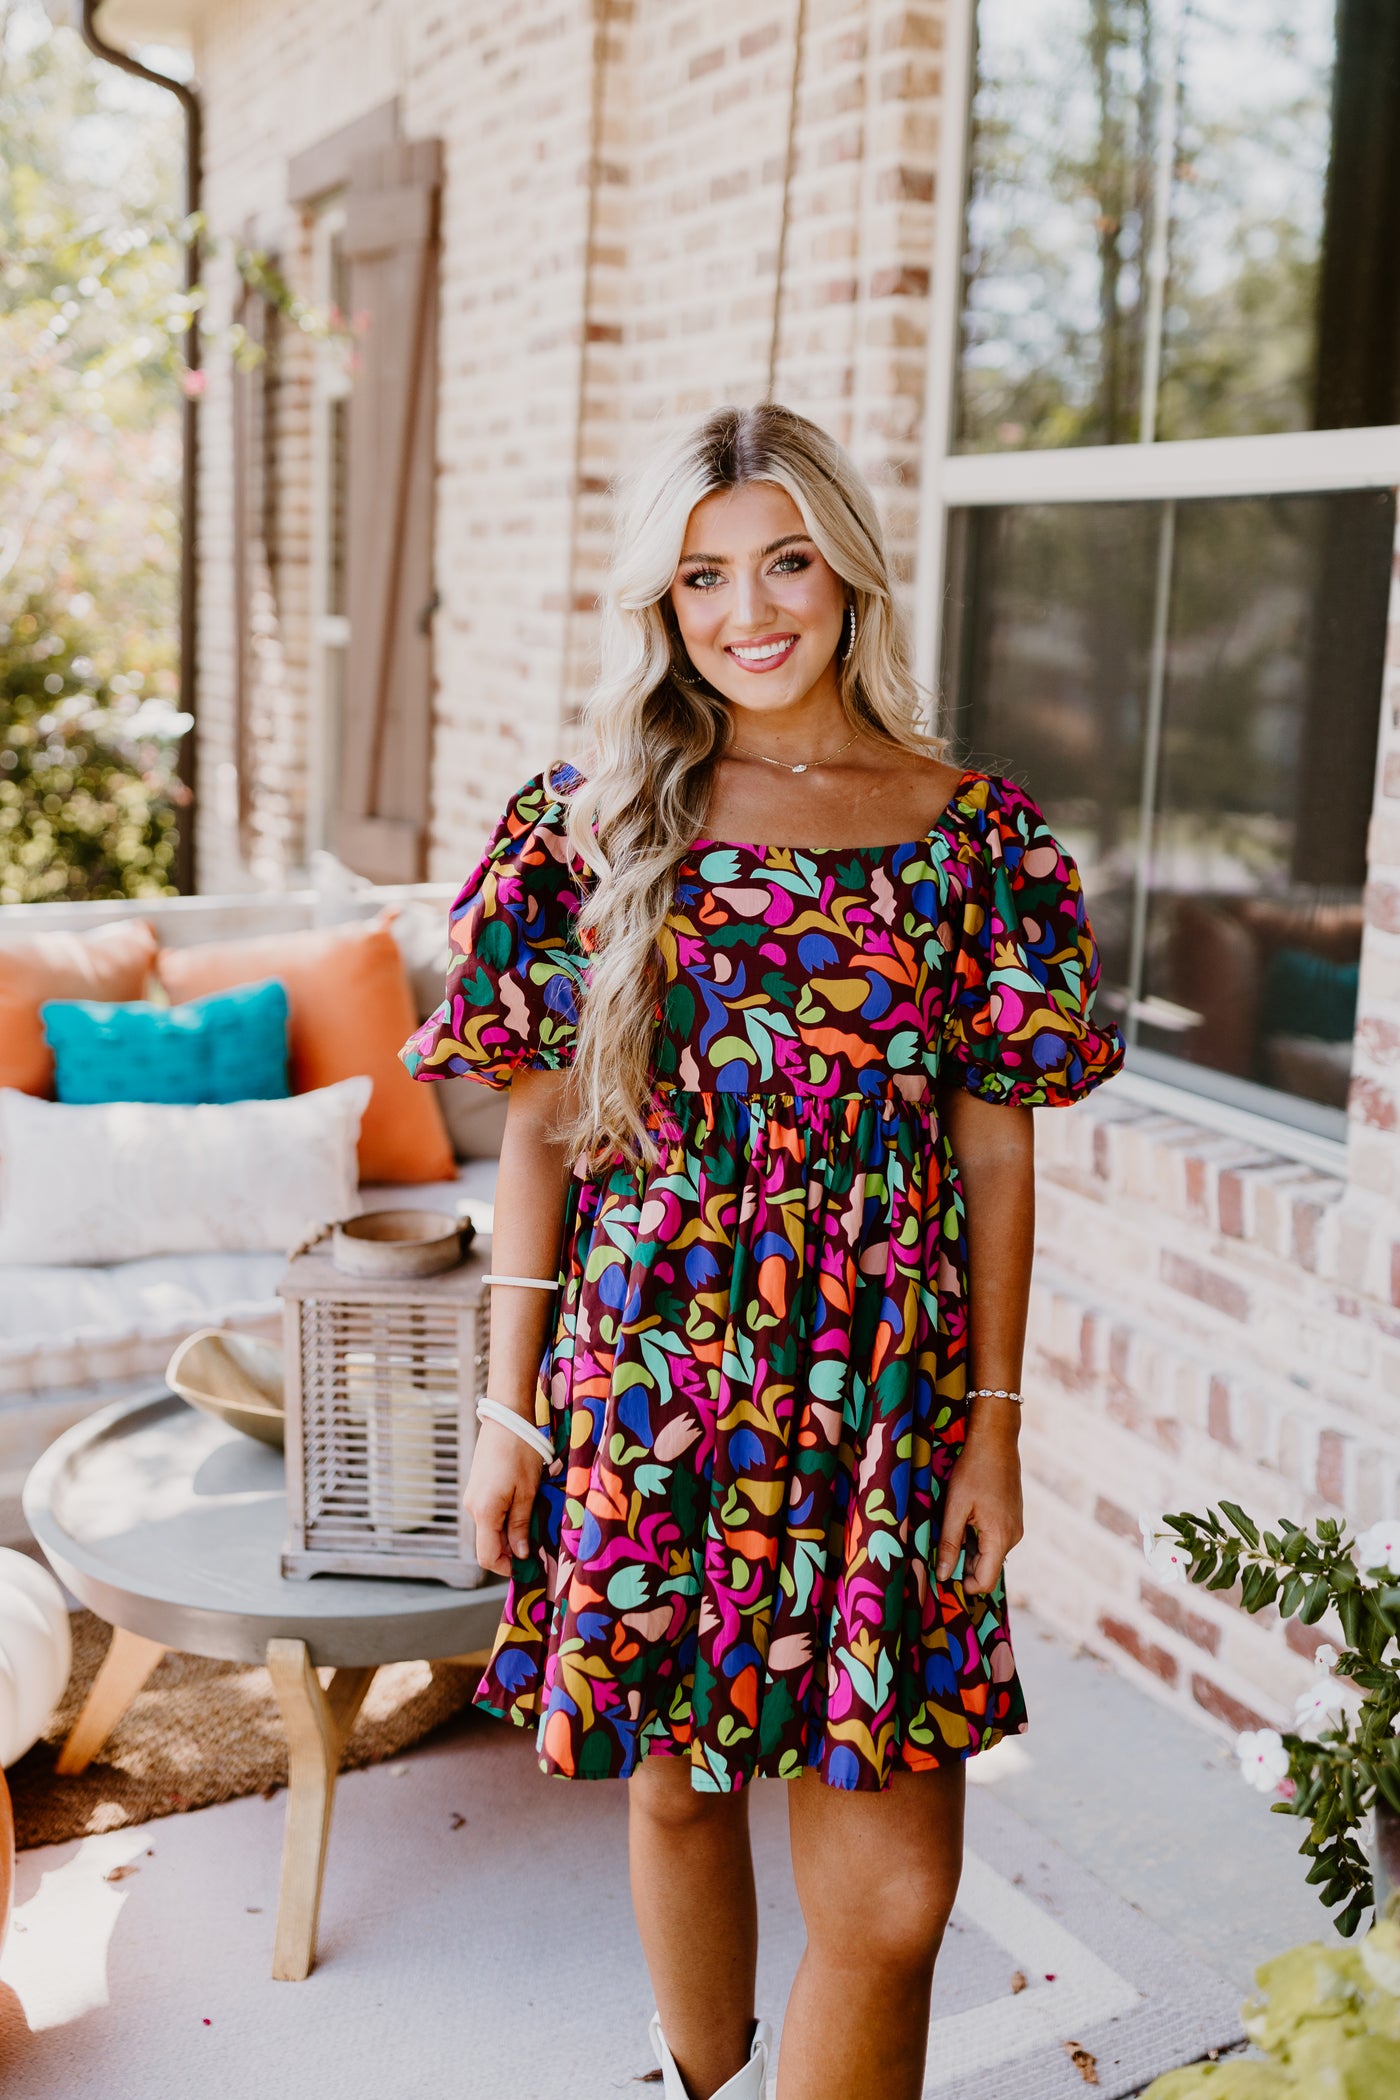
<point>894,1931</point>
<point>661,1794</point>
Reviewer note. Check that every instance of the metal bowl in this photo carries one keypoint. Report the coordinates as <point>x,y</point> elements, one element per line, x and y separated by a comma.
<point>235,1377</point>
<point>397,1243</point>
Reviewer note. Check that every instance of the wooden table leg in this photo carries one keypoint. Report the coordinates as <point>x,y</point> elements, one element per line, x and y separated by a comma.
<point>317,1723</point>
<point>127,1664</point>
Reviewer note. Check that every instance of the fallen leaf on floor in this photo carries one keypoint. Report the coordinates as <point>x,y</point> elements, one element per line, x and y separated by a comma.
<point>119,1873</point>
<point>647,2078</point>
<point>252,1910</point>
<point>458,1822</point>
<point>1087,2066</point>
<point>1018,1982</point>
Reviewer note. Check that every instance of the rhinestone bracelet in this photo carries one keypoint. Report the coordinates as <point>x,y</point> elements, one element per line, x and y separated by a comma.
<point>996,1392</point>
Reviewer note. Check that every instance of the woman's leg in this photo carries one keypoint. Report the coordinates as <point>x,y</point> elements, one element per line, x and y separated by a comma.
<point>876,1877</point>
<point>693,1893</point>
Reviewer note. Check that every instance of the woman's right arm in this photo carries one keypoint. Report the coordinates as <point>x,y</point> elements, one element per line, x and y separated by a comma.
<point>531,1190</point>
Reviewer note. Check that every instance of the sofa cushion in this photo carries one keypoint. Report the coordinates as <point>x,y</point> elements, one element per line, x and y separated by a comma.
<point>350,1008</point>
<point>73,1326</point>
<point>228,1046</point>
<point>132,1178</point>
<point>111,962</point>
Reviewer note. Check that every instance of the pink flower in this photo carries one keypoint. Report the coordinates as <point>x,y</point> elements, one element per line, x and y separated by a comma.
<point>192,383</point>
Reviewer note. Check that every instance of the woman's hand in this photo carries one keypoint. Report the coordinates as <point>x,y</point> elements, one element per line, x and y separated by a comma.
<point>500,1492</point>
<point>984,1490</point>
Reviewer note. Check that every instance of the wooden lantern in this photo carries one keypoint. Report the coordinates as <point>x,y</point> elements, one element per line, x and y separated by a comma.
<point>382,1379</point>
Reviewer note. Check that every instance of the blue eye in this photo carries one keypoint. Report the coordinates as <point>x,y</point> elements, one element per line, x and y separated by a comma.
<point>701,579</point>
<point>796,562</point>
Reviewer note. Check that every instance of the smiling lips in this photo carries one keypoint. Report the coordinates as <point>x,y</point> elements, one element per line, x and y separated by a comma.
<point>765,655</point>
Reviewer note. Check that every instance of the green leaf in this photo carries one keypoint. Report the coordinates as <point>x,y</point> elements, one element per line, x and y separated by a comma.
<point>1244,1525</point>
<point>1292,1596</point>
<point>1315,1602</point>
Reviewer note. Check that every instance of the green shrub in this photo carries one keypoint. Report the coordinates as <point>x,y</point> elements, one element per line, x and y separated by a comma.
<point>1328,2022</point>
<point>88,794</point>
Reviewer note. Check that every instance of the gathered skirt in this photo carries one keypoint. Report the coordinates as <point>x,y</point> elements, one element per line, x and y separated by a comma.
<point>756,1394</point>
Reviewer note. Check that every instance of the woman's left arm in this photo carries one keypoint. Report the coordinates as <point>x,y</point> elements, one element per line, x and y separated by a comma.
<point>994,1146</point>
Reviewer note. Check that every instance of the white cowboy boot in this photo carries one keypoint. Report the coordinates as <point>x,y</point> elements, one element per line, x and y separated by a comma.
<point>748,2084</point>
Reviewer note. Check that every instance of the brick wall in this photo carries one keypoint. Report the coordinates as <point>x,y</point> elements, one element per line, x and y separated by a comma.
<point>1209,1317</point>
<point>613,215</point>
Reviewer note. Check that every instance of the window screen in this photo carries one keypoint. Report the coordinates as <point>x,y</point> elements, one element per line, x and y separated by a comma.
<point>1192,691</point>
<point>1182,221</point>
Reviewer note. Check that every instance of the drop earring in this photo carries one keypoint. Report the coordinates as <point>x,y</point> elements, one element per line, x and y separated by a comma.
<point>684,680</point>
<point>850,628</point>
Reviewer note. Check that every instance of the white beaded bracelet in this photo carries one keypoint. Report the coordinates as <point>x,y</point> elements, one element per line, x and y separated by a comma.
<point>996,1392</point>
<point>526,1283</point>
<point>488,1410</point>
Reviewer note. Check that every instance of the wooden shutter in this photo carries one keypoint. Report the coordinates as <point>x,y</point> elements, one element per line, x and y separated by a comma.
<point>390,247</point>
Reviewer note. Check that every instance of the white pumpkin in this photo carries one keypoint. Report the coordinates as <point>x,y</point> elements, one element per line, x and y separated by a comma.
<point>36,1651</point>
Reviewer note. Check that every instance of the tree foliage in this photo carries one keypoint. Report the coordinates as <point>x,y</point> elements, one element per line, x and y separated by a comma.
<point>92,321</point>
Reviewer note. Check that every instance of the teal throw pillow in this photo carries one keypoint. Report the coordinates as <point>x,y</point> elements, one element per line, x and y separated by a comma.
<point>228,1046</point>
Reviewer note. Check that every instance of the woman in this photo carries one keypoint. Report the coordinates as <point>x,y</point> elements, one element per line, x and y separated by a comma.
<point>770,1120</point>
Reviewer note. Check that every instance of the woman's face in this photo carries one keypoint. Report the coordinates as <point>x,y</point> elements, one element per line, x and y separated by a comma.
<point>758,608</point>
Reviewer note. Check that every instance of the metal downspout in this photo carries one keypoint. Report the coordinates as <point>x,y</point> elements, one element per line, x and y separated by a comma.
<point>186,761</point>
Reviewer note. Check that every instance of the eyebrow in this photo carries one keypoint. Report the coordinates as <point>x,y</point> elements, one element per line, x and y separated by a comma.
<point>721,561</point>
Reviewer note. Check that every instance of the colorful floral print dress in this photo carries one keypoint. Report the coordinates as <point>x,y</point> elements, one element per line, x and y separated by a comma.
<point>756,1381</point>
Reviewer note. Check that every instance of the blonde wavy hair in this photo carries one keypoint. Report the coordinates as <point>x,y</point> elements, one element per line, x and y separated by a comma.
<point>653,739</point>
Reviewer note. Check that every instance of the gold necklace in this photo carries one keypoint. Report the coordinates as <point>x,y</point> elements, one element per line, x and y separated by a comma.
<point>807,764</point>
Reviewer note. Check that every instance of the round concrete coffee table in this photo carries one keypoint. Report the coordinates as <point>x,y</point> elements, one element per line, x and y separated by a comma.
<point>170,1526</point>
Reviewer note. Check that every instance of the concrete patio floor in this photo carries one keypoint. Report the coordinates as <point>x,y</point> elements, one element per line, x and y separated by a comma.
<point>154,1985</point>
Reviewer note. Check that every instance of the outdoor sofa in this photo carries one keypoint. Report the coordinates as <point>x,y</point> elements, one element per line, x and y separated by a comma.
<point>73,1338</point>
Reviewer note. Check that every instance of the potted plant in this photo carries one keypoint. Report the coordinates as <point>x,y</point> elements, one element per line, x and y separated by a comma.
<point>1338,1767</point>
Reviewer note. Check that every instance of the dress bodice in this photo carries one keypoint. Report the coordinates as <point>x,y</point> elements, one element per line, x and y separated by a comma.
<point>822,973</point>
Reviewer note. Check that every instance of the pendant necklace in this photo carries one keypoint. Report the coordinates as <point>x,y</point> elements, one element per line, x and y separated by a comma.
<point>808,764</point>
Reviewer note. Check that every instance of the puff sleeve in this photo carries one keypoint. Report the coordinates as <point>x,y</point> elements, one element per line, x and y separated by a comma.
<point>516,969</point>
<point>1019,1026</point>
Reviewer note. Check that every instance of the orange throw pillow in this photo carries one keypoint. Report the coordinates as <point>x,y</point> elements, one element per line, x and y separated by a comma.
<point>111,962</point>
<point>350,1010</point>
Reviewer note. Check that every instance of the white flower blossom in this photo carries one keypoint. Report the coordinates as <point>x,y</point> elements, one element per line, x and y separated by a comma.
<point>1379,1548</point>
<point>1326,1657</point>
<point>1327,1706</point>
<point>1263,1759</point>
<point>1164,1552</point>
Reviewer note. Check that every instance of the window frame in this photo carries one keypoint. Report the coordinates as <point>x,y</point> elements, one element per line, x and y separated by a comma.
<point>1289,463</point>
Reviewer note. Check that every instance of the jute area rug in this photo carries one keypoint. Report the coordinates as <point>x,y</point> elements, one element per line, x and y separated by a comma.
<point>200,1732</point>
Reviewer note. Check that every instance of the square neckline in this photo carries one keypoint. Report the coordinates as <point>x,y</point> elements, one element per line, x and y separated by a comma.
<point>758,851</point>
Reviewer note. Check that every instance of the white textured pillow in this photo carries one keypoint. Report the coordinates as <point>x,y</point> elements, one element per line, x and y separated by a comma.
<point>135,1178</point>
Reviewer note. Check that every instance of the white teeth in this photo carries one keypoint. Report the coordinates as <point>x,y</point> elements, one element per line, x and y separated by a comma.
<point>763,652</point>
